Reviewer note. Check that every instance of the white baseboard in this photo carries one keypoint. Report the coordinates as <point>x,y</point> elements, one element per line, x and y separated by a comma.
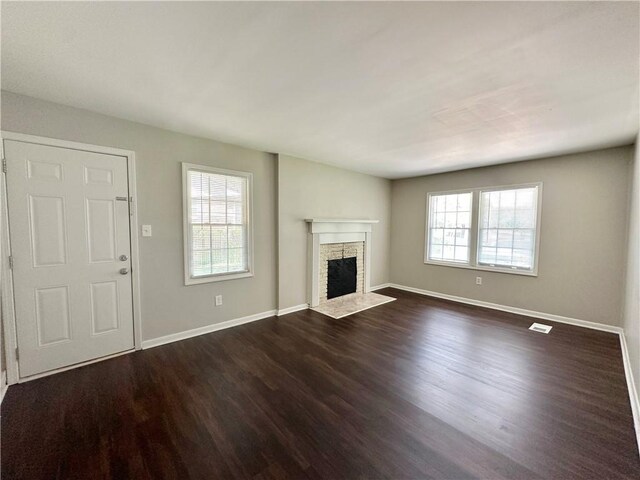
<point>519,311</point>
<point>3,386</point>
<point>378,287</point>
<point>174,337</point>
<point>631,385</point>
<point>295,308</point>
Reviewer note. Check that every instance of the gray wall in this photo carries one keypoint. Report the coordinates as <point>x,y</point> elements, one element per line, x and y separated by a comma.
<point>308,189</point>
<point>167,305</point>
<point>582,248</point>
<point>631,317</point>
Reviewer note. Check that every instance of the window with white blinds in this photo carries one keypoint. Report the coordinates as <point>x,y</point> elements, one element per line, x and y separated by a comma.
<point>507,233</point>
<point>449,227</point>
<point>217,228</point>
<point>485,228</point>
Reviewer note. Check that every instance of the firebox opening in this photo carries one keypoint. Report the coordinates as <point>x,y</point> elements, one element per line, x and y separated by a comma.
<point>342,277</point>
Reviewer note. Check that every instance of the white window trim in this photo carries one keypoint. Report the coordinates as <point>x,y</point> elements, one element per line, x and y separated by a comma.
<point>186,209</point>
<point>475,231</point>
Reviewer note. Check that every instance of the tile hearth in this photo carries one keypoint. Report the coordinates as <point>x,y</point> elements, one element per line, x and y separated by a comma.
<point>353,303</point>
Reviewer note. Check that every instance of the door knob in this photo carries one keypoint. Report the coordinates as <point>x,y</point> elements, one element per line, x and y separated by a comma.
<point>123,258</point>
<point>124,271</point>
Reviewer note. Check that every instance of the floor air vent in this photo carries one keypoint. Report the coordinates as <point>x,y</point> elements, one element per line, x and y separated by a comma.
<point>538,327</point>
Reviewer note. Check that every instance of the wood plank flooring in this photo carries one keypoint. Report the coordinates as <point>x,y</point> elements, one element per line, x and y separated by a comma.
<point>417,388</point>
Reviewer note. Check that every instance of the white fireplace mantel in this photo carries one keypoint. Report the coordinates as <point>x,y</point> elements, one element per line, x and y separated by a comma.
<point>335,230</point>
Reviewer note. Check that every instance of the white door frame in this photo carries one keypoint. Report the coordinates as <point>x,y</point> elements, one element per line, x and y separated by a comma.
<point>8,310</point>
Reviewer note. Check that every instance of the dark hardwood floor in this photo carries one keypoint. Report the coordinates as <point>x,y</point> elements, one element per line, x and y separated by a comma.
<point>417,388</point>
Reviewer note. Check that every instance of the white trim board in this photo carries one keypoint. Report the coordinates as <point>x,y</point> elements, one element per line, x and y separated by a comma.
<point>295,308</point>
<point>633,392</point>
<point>379,287</point>
<point>519,311</point>
<point>214,327</point>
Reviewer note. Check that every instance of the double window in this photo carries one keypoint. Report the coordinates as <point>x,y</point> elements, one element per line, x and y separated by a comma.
<point>489,229</point>
<point>217,233</point>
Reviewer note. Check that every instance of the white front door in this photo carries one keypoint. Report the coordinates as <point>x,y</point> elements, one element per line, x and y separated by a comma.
<point>69,230</point>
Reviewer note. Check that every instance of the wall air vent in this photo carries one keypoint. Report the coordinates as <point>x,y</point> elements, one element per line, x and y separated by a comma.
<point>538,327</point>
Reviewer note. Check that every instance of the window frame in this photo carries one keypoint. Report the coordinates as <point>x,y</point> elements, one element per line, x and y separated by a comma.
<point>475,230</point>
<point>189,279</point>
<point>472,238</point>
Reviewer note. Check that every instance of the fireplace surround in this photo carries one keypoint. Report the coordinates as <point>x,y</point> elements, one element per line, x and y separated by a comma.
<point>337,239</point>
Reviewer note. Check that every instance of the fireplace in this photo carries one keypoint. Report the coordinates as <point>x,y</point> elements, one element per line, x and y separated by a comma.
<point>342,277</point>
<point>339,258</point>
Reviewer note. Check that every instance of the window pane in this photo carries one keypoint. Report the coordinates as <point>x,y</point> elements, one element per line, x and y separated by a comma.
<point>439,220</point>
<point>487,255</point>
<point>199,211</point>
<point>507,199</point>
<point>463,220</point>
<point>217,186</point>
<point>523,239</point>
<point>507,218</point>
<point>235,189</point>
<point>436,252</point>
<point>218,237</point>
<point>236,259</point>
<point>200,237</point>
<point>462,254</point>
<point>464,202</point>
<point>218,212</point>
<point>462,237</point>
<point>236,237</point>
<point>503,256</point>
<point>199,185</point>
<point>218,229</point>
<point>235,213</point>
<point>505,238</point>
<point>437,236</point>
<point>522,258</point>
<point>448,252</point>
<point>451,203</point>
<point>219,260</point>
<point>449,236</point>
<point>450,219</point>
<point>525,199</point>
<point>525,218</point>
<point>491,238</point>
<point>201,263</point>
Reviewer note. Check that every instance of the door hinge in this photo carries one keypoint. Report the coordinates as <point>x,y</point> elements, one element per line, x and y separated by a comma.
<point>4,165</point>
<point>17,354</point>
<point>11,262</point>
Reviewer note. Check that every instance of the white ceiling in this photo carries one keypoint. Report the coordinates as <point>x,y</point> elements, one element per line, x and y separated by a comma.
<point>391,89</point>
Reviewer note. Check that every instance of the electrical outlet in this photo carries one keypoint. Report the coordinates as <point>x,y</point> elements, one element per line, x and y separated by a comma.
<point>478,280</point>
<point>146,230</point>
<point>218,300</point>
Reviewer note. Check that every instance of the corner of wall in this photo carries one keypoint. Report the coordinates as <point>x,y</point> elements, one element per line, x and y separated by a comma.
<point>631,295</point>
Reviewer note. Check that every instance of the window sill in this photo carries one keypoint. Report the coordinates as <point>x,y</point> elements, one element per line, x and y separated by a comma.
<point>216,278</point>
<point>467,266</point>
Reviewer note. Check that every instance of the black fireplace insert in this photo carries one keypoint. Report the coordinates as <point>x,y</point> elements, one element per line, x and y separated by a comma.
<point>341,277</point>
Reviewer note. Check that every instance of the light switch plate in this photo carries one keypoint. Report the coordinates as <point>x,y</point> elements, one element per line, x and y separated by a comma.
<point>146,230</point>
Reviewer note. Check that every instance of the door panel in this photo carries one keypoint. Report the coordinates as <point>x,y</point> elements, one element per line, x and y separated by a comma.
<point>52,315</point>
<point>104,307</point>
<point>48,230</point>
<point>101,230</point>
<point>69,227</point>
